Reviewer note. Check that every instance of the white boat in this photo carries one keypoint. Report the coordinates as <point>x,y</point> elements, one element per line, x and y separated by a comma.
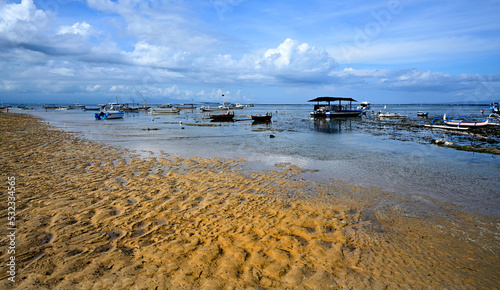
<point>226,106</point>
<point>163,111</point>
<point>364,106</point>
<point>464,122</point>
<point>50,106</point>
<point>185,106</point>
<point>208,109</point>
<point>390,115</point>
<point>109,115</point>
<point>495,108</point>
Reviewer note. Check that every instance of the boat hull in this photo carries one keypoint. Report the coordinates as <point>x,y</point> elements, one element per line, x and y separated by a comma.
<point>467,124</point>
<point>262,118</point>
<point>164,112</point>
<point>222,117</point>
<point>109,115</point>
<point>335,114</point>
<point>391,115</point>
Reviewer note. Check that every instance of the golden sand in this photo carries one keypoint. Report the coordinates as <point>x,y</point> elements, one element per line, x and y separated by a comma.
<point>93,216</point>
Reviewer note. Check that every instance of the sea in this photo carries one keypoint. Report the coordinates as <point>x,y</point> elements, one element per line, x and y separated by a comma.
<point>362,151</point>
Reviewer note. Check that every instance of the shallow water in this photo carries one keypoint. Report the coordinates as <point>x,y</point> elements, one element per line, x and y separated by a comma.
<point>342,150</point>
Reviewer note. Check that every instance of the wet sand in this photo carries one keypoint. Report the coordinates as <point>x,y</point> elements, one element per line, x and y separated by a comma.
<point>90,215</point>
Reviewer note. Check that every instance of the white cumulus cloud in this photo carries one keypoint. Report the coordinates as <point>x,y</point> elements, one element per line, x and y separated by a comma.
<point>294,60</point>
<point>77,28</point>
<point>21,22</point>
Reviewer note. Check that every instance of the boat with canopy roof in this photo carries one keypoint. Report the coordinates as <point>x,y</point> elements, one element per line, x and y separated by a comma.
<point>329,110</point>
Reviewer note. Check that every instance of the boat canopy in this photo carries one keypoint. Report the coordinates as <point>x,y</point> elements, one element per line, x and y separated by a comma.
<point>331,99</point>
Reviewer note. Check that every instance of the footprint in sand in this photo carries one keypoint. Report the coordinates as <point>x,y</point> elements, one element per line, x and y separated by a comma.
<point>113,235</point>
<point>74,253</point>
<point>44,238</point>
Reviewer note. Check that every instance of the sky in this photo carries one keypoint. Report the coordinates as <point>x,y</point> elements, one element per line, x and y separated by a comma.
<point>250,51</point>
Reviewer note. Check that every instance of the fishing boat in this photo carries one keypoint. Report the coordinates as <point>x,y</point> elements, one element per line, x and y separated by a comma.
<point>421,113</point>
<point>207,108</point>
<point>462,122</point>
<point>163,111</point>
<point>50,107</point>
<point>328,110</point>
<point>459,122</point>
<point>112,113</point>
<point>364,107</point>
<point>185,106</point>
<point>495,108</point>
<point>390,115</point>
<point>222,117</point>
<point>130,109</point>
<point>226,106</point>
<point>262,118</point>
<point>92,108</point>
<point>109,115</point>
<point>468,123</point>
<point>165,106</point>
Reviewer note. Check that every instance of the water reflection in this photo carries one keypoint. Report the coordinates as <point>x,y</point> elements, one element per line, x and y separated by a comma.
<point>333,125</point>
<point>267,123</point>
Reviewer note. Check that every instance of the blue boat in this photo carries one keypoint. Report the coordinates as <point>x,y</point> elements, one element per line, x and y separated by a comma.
<point>109,115</point>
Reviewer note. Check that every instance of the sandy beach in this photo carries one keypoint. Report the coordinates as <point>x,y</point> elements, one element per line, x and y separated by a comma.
<point>89,215</point>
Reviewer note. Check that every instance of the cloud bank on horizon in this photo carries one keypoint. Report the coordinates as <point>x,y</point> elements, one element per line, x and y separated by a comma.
<point>391,51</point>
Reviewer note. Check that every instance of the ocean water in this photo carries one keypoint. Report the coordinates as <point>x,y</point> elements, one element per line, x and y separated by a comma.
<point>349,150</point>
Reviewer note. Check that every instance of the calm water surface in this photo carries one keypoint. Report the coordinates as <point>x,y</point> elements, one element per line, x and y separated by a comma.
<point>343,150</point>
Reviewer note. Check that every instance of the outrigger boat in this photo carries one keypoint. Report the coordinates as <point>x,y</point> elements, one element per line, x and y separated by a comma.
<point>112,113</point>
<point>163,111</point>
<point>92,108</point>
<point>365,107</point>
<point>109,115</point>
<point>222,117</point>
<point>495,108</point>
<point>390,115</point>
<point>50,107</point>
<point>262,118</point>
<point>328,110</point>
<point>463,122</point>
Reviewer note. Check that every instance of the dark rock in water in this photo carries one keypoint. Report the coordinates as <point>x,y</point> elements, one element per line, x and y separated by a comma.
<point>271,136</point>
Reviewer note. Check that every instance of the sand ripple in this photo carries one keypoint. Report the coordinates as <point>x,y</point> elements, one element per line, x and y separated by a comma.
<point>92,216</point>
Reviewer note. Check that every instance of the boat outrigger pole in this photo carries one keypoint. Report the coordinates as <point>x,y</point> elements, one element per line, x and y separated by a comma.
<point>146,103</point>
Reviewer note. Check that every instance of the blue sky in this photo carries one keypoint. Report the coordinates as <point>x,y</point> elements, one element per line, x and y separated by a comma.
<point>391,51</point>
